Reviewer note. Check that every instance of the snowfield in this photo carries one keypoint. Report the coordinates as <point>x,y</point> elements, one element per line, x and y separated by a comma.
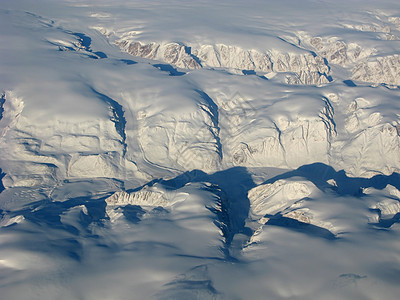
<point>178,150</point>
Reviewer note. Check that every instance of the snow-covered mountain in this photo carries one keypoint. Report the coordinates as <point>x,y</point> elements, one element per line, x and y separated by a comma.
<point>176,150</point>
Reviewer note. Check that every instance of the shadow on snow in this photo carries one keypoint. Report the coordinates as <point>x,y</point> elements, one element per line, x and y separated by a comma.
<point>232,185</point>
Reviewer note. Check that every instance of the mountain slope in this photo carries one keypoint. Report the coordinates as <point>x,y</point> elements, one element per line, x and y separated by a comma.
<point>222,150</point>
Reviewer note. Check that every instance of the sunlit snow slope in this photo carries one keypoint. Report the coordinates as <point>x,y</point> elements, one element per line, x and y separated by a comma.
<point>178,150</point>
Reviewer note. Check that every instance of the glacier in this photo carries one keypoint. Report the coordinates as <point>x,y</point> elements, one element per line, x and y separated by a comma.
<point>173,150</point>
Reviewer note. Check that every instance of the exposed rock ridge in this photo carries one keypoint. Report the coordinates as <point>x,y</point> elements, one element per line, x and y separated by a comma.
<point>307,68</point>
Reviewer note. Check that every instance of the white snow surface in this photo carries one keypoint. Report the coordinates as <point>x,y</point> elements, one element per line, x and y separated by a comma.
<point>199,150</point>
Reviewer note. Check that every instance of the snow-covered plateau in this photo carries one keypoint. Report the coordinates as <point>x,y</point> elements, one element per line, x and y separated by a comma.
<point>199,150</point>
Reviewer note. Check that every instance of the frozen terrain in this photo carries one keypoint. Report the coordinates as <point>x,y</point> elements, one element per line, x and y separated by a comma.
<point>179,150</point>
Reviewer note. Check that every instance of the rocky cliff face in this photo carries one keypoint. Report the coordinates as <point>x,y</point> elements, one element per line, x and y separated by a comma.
<point>384,69</point>
<point>306,68</point>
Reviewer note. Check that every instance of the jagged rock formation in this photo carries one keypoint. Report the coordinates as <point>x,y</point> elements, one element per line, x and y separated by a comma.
<point>365,63</point>
<point>172,53</point>
<point>308,69</point>
<point>382,70</point>
<point>231,57</point>
<point>147,196</point>
<point>385,69</point>
<point>336,51</point>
